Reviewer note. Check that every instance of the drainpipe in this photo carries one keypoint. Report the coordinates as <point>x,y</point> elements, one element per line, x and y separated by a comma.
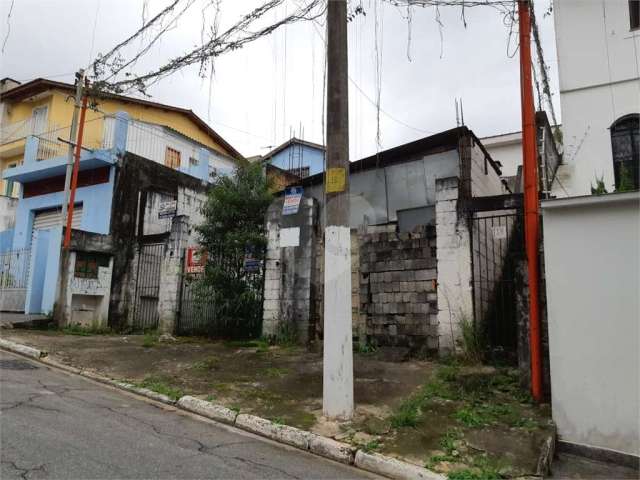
<point>531,196</point>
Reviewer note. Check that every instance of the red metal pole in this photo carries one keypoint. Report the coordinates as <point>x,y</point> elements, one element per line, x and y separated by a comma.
<point>531,198</point>
<point>74,178</point>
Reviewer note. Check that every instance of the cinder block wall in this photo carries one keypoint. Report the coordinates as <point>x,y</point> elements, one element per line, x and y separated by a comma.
<point>398,279</point>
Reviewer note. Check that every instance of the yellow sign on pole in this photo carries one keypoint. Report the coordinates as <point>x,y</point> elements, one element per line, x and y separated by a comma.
<point>336,180</point>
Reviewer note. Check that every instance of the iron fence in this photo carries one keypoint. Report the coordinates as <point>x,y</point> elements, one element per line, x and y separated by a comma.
<point>497,244</point>
<point>146,314</point>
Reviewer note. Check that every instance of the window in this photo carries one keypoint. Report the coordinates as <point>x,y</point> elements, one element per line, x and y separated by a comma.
<point>302,172</point>
<point>625,146</point>
<point>193,162</point>
<point>172,158</point>
<point>87,264</point>
<point>8,189</point>
<point>634,14</point>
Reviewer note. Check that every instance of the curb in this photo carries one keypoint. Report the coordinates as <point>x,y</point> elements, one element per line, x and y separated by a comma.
<point>301,439</point>
<point>390,467</point>
<point>22,349</point>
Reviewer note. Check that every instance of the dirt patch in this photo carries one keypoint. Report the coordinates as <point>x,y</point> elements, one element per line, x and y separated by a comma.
<point>470,422</point>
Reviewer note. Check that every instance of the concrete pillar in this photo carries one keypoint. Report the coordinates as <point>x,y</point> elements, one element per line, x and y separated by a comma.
<point>171,274</point>
<point>455,291</point>
<point>120,132</point>
<point>30,150</point>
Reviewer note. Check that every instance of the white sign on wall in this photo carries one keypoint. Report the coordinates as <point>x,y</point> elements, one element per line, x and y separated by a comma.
<point>499,232</point>
<point>290,237</point>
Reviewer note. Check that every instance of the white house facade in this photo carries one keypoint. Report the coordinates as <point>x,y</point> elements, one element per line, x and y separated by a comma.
<point>598,47</point>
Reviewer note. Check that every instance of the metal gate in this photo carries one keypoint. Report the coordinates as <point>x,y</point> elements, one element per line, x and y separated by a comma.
<point>497,246</point>
<point>14,279</point>
<point>197,313</point>
<point>146,315</point>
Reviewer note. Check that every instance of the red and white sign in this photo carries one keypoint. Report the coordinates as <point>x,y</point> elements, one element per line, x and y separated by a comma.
<point>196,259</point>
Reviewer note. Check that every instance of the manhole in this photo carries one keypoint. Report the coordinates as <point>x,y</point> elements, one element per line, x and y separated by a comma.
<point>16,365</point>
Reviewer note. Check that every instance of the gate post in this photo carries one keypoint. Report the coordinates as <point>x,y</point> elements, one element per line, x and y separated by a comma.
<point>171,274</point>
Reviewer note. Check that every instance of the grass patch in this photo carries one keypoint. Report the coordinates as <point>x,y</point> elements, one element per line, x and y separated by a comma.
<point>150,339</point>
<point>76,329</point>
<point>261,344</point>
<point>365,348</point>
<point>210,398</point>
<point>408,413</point>
<point>159,384</point>
<point>206,365</point>
<point>371,446</point>
<point>274,372</point>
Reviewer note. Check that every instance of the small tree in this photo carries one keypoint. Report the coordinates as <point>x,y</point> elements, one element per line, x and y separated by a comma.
<point>232,230</point>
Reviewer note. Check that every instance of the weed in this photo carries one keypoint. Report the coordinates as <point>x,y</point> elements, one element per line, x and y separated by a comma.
<point>261,345</point>
<point>371,446</point>
<point>407,414</point>
<point>473,344</point>
<point>277,420</point>
<point>150,339</point>
<point>286,335</point>
<point>365,348</point>
<point>160,385</point>
<point>210,398</point>
<point>435,459</point>
<point>77,329</point>
<point>235,408</point>
<point>449,440</point>
<point>276,372</point>
<point>472,417</point>
<point>206,365</point>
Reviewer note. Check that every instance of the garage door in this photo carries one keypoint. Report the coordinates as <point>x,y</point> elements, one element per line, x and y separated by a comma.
<point>52,218</point>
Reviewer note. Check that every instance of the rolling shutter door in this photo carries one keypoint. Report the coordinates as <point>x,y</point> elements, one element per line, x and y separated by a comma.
<point>53,218</point>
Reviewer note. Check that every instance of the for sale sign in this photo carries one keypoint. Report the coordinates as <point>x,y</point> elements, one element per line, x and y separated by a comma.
<point>196,260</point>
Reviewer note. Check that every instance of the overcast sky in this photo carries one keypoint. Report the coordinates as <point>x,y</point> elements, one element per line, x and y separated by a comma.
<point>261,92</point>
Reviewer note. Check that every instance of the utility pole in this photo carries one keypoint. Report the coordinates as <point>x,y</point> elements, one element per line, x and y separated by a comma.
<point>74,177</point>
<point>80,76</point>
<point>337,384</point>
<point>531,196</point>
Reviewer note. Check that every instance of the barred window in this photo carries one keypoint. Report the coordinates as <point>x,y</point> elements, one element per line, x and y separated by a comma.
<point>625,146</point>
<point>87,264</point>
<point>172,158</point>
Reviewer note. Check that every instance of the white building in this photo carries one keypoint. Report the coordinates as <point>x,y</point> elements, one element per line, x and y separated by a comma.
<point>598,46</point>
<point>505,148</point>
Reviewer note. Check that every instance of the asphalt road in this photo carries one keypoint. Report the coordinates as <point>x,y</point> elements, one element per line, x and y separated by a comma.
<point>57,425</point>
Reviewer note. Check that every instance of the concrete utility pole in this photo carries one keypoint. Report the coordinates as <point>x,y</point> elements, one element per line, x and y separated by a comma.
<point>72,140</point>
<point>337,385</point>
<point>531,195</point>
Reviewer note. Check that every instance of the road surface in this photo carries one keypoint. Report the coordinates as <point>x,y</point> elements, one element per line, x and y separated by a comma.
<point>57,425</point>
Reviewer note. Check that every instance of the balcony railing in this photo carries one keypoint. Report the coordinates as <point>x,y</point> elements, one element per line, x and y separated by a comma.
<point>151,141</point>
<point>19,130</point>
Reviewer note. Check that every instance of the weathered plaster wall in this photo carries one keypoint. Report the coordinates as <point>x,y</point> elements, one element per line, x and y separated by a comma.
<point>288,291</point>
<point>455,300</point>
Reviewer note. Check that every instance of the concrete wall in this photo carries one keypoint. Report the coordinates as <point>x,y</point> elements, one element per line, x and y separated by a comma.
<point>377,194</point>
<point>599,74</point>
<point>592,265</point>
<point>289,289</point>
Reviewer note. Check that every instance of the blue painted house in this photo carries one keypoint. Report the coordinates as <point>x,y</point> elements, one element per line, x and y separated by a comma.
<point>30,251</point>
<point>296,156</point>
